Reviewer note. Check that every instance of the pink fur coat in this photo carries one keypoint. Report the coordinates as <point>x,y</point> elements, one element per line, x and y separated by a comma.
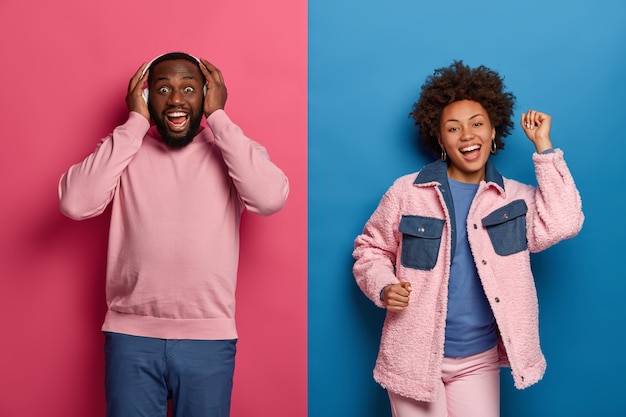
<point>408,238</point>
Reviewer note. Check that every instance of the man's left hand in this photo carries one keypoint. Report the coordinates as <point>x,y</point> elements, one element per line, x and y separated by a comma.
<point>216,95</point>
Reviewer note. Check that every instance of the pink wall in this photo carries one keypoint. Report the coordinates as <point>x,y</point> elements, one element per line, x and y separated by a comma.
<point>64,72</point>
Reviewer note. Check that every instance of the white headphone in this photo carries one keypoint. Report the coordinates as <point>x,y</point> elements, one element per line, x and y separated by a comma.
<point>146,91</point>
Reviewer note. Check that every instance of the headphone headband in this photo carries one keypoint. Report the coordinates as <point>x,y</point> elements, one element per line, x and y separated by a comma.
<point>145,92</point>
<point>162,55</point>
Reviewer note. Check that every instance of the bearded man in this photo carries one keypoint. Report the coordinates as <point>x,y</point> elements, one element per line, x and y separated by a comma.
<point>177,190</point>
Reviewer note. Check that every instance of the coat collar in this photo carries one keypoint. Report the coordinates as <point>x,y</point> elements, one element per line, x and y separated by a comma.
<point>437,171</point>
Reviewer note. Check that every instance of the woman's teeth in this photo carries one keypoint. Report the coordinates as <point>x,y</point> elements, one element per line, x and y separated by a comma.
<point>470,148</point>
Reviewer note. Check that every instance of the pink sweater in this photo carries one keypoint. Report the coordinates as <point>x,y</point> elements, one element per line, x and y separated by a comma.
<point>174,231</point>
<point>411,349</point>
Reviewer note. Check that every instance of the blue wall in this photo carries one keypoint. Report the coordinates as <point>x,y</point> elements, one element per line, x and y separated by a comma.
<point>367,60</point>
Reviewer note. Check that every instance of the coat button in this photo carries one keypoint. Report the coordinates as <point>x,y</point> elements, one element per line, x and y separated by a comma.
<point>475,227</point>
<point>505,216</point>
<point>484,262</point>
<point>421,230</point>
<point>497,299</point>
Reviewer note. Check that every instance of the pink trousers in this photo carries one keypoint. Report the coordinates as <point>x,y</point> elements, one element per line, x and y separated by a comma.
<point>470,387</point>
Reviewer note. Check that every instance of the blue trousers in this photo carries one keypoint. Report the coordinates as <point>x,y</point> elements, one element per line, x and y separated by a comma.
<point>142,374</point>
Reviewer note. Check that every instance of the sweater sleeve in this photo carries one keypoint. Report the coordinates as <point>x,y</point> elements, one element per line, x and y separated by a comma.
<point>375,250</point>
<point>261,185</point>
<point>557,213</point>
<point>88,187</point>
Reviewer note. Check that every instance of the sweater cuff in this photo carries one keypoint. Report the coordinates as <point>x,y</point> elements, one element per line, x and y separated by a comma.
<point>138,124</point>
<point>218,120</point>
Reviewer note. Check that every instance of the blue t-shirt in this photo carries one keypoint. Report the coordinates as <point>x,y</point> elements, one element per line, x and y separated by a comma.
<point>470,324</point>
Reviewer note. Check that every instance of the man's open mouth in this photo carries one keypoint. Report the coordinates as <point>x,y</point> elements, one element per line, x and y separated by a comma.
<point>177,121</point>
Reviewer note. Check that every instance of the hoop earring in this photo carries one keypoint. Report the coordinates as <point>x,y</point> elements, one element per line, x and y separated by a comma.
<point>494,146</point>
<point>444,155</point>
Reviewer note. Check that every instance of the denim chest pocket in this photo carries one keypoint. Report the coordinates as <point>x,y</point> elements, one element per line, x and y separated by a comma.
<point>421,239</point>
<point>506,227</point>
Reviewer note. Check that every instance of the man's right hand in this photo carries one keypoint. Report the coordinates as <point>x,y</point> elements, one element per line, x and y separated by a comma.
<point>134,97</point>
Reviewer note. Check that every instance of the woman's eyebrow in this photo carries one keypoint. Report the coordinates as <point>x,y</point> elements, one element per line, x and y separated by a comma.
<point>470,118</point>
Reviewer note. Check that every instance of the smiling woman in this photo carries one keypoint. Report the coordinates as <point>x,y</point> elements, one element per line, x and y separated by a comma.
<point>459,82</point>
<point>465,136</point>
<point>367,61</point>
<point>472,307</point>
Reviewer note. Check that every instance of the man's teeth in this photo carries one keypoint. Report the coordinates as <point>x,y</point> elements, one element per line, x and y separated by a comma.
<point>470,148</point>
<point>177,114</point>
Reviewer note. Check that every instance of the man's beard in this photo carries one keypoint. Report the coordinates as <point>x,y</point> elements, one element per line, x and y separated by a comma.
<point>178,141</point>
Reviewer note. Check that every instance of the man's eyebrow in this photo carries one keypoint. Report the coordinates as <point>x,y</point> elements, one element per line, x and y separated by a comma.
<point>186,77</point>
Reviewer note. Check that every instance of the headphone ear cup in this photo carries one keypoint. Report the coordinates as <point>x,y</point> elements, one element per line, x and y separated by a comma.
<point>145,94</point>
<point>205,89</point>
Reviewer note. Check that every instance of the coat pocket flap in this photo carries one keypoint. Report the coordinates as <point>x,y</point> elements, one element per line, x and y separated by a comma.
<point>424,227</point>
<point>504,214</point>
